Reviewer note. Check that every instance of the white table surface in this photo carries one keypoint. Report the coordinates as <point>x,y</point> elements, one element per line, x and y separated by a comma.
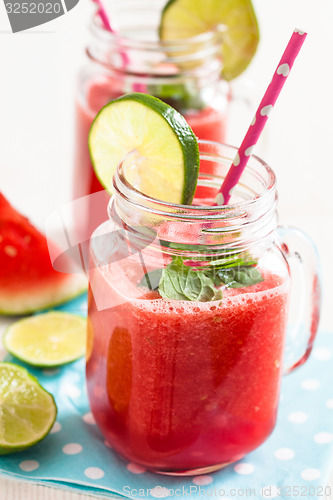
<point>36,149</point>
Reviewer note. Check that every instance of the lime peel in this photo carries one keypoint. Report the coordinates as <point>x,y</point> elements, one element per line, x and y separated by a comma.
<point>188,18</point>
<point>27,410</point>
<point>47,340</point>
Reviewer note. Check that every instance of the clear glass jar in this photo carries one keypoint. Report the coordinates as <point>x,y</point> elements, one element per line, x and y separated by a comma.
<point>184,73</point>
<point>188,386</point>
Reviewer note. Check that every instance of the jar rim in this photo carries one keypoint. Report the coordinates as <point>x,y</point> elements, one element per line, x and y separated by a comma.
<point>176,45</point>
<point>238,225</point>
<point>143,200</point>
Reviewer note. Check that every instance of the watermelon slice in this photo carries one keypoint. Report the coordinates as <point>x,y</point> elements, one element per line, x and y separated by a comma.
<point>28,281</point>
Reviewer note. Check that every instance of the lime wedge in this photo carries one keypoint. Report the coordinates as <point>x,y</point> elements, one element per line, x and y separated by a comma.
<point>27,411</point>
<point>188,18</point>
<point>159,138</point>
<point>46,340</point>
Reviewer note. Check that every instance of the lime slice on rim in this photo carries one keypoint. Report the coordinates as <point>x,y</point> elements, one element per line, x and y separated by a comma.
<point>27,411</point>
<point>46,340</point>
<point>164,145</point>
<point>188,18</point>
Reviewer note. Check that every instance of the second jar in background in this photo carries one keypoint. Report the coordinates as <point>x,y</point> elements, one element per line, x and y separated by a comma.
<point>184,73</point>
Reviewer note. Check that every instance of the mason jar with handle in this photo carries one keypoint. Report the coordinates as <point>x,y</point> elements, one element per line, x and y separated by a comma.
<point>188,318</point>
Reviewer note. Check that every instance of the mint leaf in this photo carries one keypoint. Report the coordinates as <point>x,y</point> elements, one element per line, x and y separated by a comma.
<point>236,260</point>
<point>238,277</point>
<point>208,289</point>
<point>230,259</point>
<point>203,283</point>
<point>181,282</point>
<point>173,280</point>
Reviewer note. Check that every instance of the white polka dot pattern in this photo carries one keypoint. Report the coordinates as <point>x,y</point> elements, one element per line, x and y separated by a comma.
<point>248,151</point>
<point>29,465</point>
<point>283,69</point>
<point>284,454</point>
<point>72,391</point>
<point>236,161</point>
<point>304,435</point>
<point>310,384</point>
<point>89,419</point>
<point>135,468</point>
<point>297,417</point>
<point>265,111</point>
<point>310,474</point>
<point>72,449</point>
<point>244,468</point>
<point>202,480</point>
<point>323,437</point>
<point>56,428</point>
<point>329,404</point>
<point>94,473</point>
<point>231,192</point>
<point>159,492</point>
<point>322,353</point>
<point>219,199</point>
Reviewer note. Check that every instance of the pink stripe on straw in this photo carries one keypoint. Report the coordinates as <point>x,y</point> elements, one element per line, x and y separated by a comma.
<point>103,15</point>
<point>107,25</point>
<point>265,107</point>
<point>137,87</point>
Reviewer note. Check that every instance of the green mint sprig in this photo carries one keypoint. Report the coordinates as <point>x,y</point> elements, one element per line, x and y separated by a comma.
<point>179,281</point>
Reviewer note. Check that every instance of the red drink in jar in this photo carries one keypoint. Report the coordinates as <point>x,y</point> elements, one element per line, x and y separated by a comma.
<point>188,386</point>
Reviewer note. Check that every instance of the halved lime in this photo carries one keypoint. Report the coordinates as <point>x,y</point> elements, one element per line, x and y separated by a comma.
<point>46,340</point>
<point>165,149</point>
<point>27,411</point>
<point>187,18</point>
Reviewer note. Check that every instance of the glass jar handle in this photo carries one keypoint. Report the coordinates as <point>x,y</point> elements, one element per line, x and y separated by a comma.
<point>305,300</point>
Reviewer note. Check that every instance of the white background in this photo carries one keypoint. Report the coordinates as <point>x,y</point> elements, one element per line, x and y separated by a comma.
<point>37,86</point>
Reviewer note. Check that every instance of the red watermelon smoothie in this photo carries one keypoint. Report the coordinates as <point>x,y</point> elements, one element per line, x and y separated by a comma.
<point>181,386</point>
<point>185,386</point>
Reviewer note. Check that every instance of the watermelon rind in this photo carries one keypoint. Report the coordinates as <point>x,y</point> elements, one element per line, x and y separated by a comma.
<point>50,295</point>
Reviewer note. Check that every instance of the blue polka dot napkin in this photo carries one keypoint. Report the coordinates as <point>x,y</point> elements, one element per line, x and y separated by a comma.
<point>295,461</point>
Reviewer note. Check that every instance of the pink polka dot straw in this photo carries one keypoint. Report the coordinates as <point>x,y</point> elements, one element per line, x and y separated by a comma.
<point>260,118</point>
